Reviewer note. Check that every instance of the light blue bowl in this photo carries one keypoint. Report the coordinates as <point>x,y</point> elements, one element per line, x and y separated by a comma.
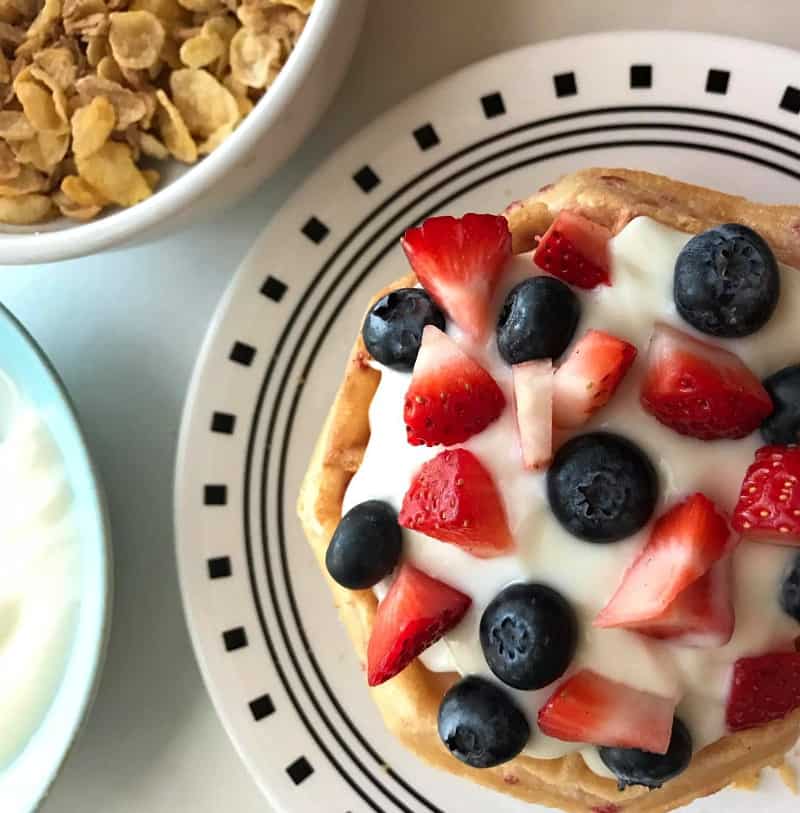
<point>25,782</point>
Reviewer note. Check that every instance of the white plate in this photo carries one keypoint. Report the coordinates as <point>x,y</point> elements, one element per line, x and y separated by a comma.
<point>280,671</point>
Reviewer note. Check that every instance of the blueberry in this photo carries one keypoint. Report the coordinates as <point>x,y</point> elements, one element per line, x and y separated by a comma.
<point>790,590</point>
<point>602,487</point>
<point>727,282</point>
<point>632,766</point>
<point>365,547</point>
<point>528,634</point>
<point>393,328</point>
<point>538,320</point>
<point>480,724</point>
<point>783,425</point>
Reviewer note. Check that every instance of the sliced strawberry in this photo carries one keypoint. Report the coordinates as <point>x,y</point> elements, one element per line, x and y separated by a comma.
<point>533,400</point>
<point>769,503</point>
<point>451,397</point>
<point>416,612</point>
<point>586,381</point>
<point>701,390</point>
<point>576,250</point>
<point>702,615</point>
<point>683,545</point>
<point>593,709</point>
<point>459,263</point>
<point>763,689</point>
<point>454,499</point>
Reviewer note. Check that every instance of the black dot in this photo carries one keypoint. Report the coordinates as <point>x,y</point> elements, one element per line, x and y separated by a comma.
<point>717,81</point>
<point>243,353</point>
<point>315,230</point>
<point>493,105</point>
<point>215,495</point>
<point>565,84</point>
<point>223,422</point>
<point>235,638</point>
<point>366,179</point>
<point>261,707</point>
<point>641,76</point>
<point>426,137</point>
<point>274,289</point>
<point>300,770</point>
<point>791,100</point>
<point>219,567</point>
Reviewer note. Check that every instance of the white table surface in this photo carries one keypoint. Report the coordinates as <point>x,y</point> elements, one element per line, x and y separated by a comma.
<point>124,329</point>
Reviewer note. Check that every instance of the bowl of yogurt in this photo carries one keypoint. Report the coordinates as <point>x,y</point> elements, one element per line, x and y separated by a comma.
<point>55,579</point>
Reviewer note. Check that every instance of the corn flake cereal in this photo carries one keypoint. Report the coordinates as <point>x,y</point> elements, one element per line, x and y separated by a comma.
<point>91,88</point>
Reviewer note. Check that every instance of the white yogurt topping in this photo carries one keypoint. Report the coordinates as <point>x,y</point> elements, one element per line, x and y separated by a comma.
<point>39,575</point>
<point>643,259</point>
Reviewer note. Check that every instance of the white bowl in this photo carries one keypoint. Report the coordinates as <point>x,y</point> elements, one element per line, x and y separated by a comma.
<point>265,139</point>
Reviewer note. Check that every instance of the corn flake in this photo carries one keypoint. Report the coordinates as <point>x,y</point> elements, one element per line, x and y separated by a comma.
<point>174,131</point>
<point>75,211</point>
<point>113,174</point>
<point>205,105</point>
<point>44,109</point>
<point>129,107</point>
<point>9,168</point>
<point>14,126</point>
<point>202,50</point>
<point>136,38</point>
<point>59,63</point>
<point>44,151</point>
<point>92,126</point>
<point>28,180</point>
<point>25,210</point>
<point>252,57</point>
<point>78,190</point>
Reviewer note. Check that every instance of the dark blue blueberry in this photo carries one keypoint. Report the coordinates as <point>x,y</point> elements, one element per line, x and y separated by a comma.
<point>632,766</point>
<point>366,545</point>
<point>783,425</point>
<point>538,320</point>
<point>790,590</point>
<point>393,328</point>
<point>727,282</point>
<point>602,487</point>
<point>481,725</point>
<point>529,633</point>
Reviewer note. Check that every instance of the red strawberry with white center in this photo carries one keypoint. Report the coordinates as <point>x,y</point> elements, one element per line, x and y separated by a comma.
<point>763,689</point>
<point>575,250</point>
<point>416,612</point>
<point>702,615</point>
<point>533,400</point>
<point>683,545</point>
<point>586,381</point>
<point>459,262</point>
<point>769,503</point>
<point>701,390</point>
<point>451,397</point>
<point>593,709</point>
<point>454,499</point>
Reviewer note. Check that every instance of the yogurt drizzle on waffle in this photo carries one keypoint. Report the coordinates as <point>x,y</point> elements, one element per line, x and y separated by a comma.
<point>642,266</point>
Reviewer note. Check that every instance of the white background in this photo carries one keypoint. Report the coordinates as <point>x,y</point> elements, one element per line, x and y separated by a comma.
<point>124,329</point>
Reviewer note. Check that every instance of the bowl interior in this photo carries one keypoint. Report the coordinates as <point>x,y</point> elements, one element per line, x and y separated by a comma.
<point>24,783</point>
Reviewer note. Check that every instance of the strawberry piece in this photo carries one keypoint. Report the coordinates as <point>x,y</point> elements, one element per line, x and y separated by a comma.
<point>533,402</point>
<point>575,250</point>
<point>453,499</point>
<point>593,709</point>
<point>701,616</point>
<point>451,397</point>
<point>769,503</point>
<point>683,545</point>
<point>416,612</point>
<point>764,688</point>
<point>459,263</point>
<point>586,381</point>
<point>701,390</point>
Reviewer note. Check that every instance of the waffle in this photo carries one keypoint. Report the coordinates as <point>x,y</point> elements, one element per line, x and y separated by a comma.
<point>409,702</point>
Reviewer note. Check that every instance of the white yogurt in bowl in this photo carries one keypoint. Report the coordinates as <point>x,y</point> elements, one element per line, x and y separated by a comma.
<point>55,572</point>
<point>40,572</point>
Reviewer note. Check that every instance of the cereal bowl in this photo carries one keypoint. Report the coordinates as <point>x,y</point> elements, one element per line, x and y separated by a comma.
<point>264,138</point>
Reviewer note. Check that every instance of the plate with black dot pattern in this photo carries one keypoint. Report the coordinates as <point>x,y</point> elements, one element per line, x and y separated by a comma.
<point>281,673</point>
